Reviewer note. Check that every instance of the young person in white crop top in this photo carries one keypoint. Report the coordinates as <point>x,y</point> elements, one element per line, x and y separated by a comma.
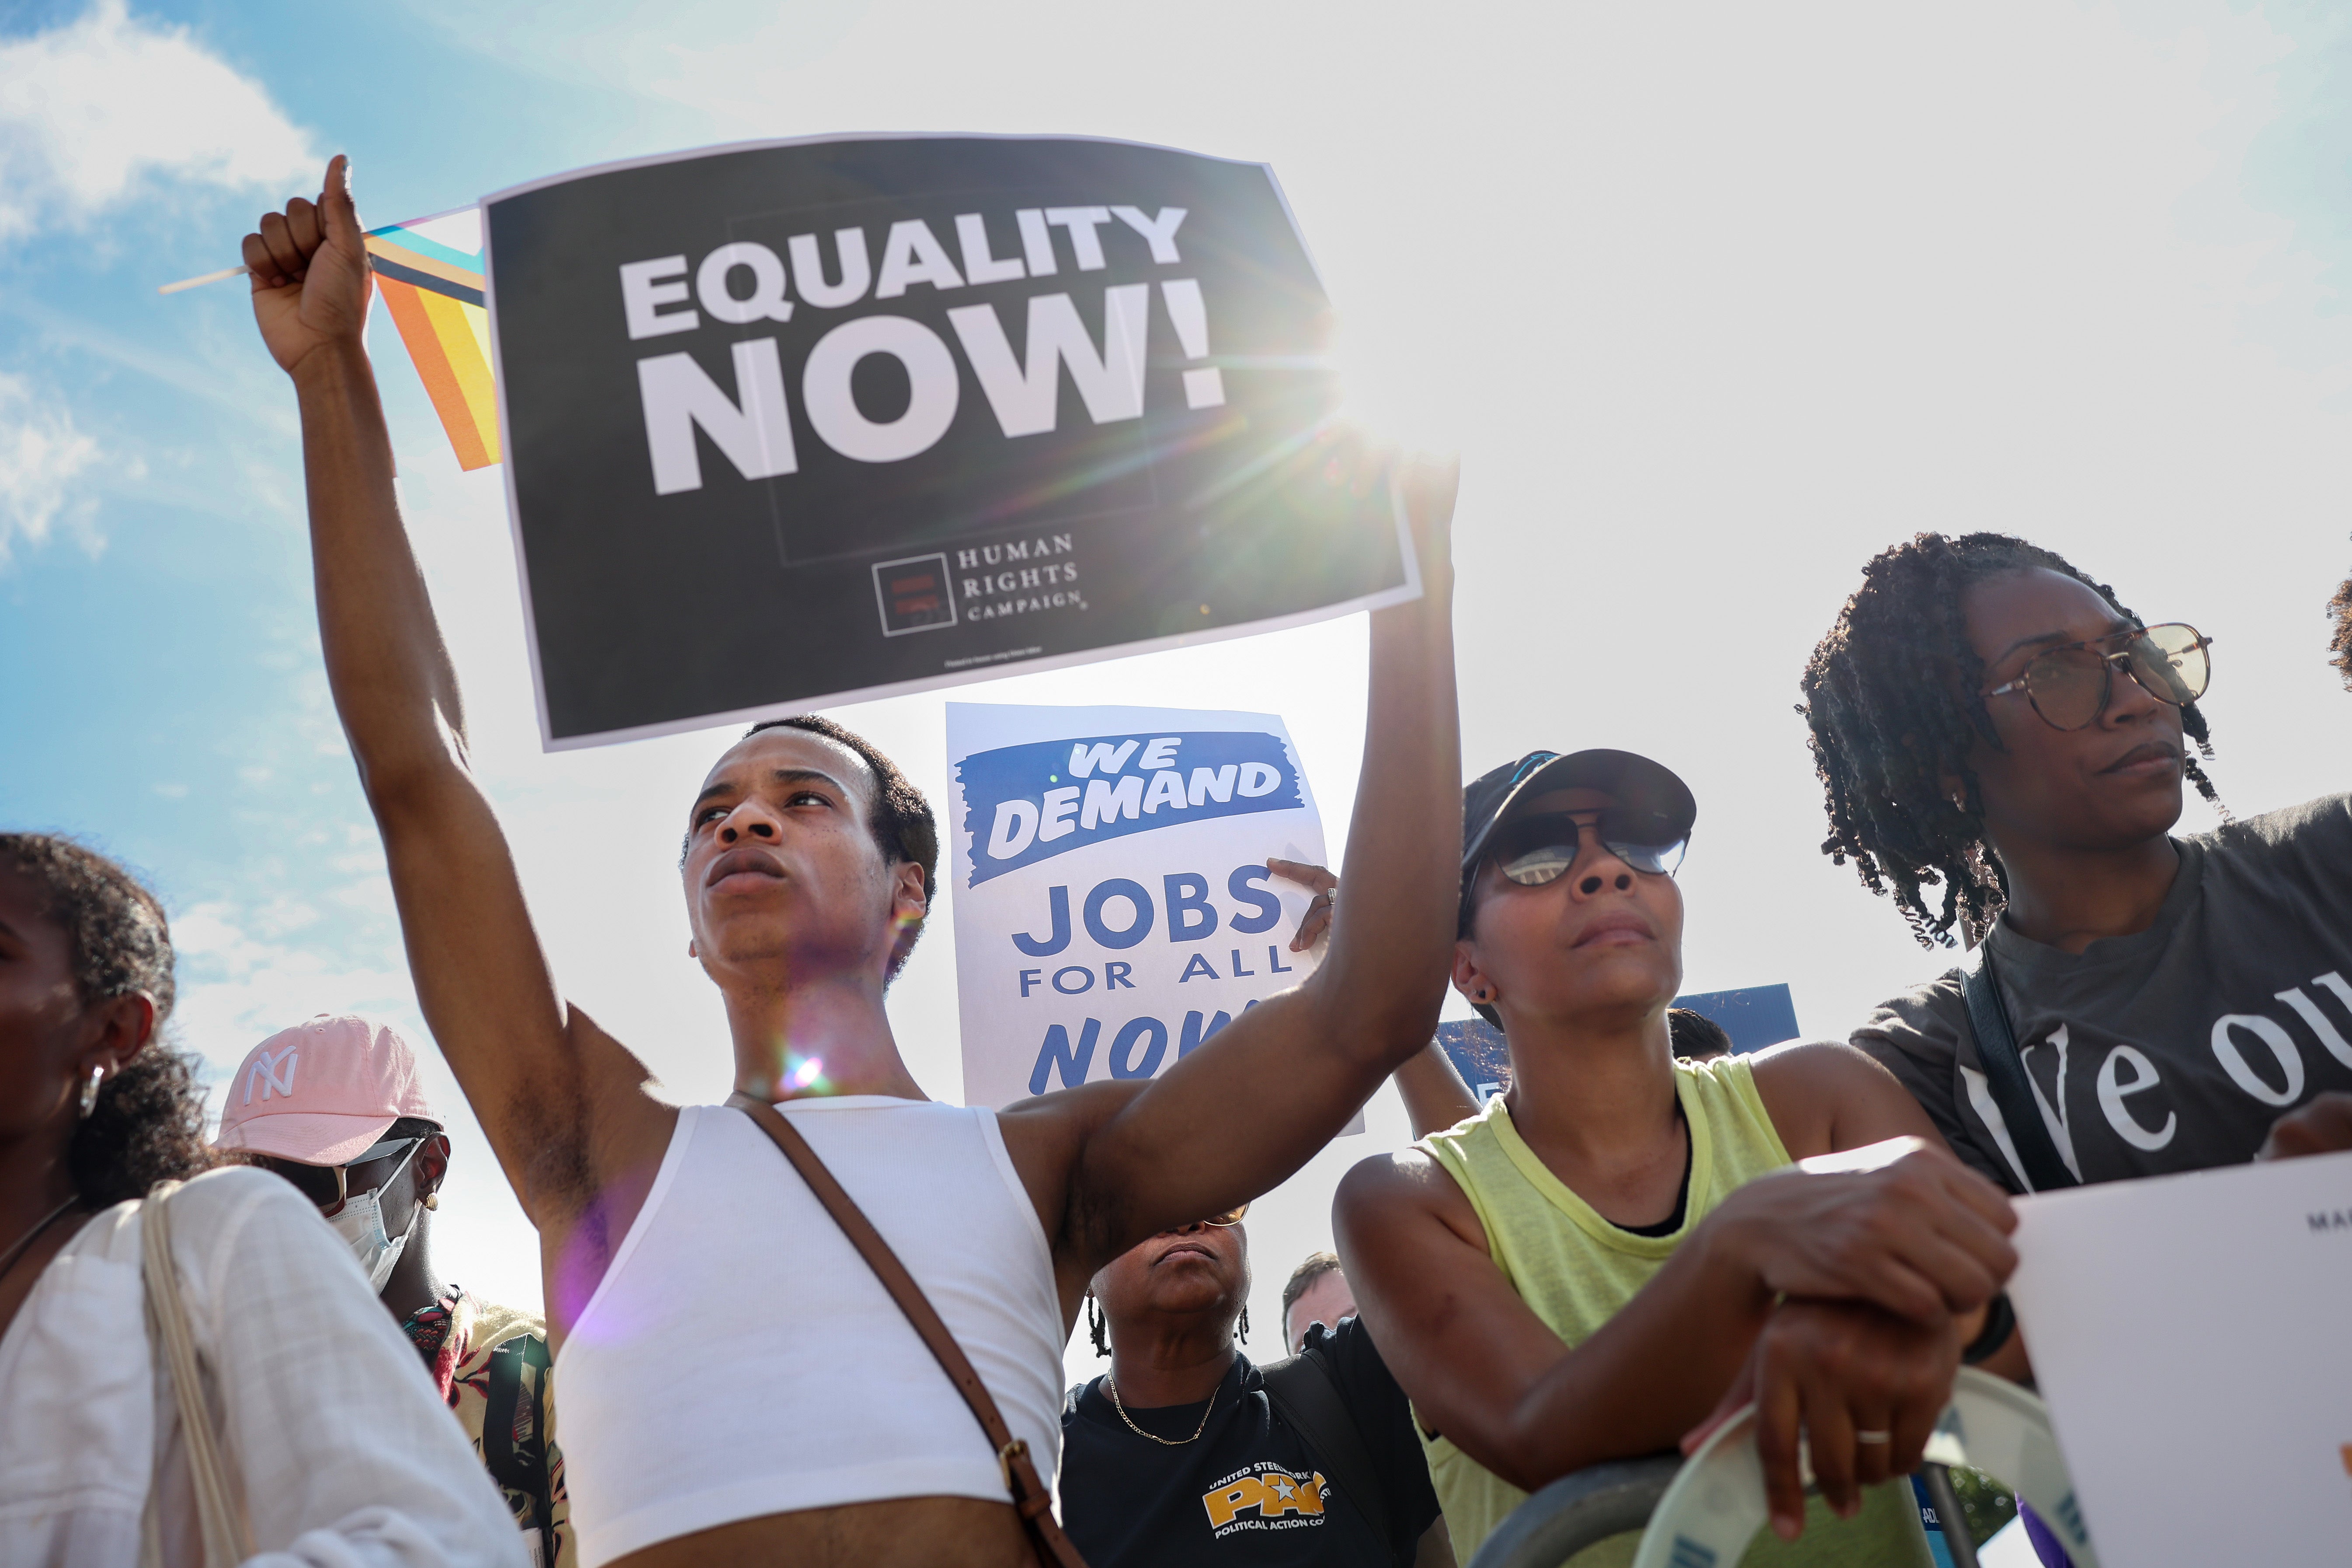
<point>737,1387</point>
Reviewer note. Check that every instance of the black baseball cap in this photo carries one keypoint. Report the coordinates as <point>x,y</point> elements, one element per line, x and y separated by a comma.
<point>1634,781</point>
<point>1495,798</point>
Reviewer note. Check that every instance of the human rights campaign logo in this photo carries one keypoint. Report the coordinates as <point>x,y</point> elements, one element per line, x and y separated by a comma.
<point>1030,803</point>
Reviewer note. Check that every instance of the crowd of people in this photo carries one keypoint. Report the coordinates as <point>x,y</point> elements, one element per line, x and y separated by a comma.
<point>825,1323</point>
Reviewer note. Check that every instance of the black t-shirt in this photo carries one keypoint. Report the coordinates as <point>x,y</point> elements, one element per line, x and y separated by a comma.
<point>1250,1491</point>
<point>2171,1050</point>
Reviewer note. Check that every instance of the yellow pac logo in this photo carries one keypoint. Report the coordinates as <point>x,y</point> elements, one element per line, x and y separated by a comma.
<point>1272,1493</point>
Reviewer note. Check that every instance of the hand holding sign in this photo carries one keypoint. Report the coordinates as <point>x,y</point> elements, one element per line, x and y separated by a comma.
<point>1320,908</point>
<point>1428,486</point>
<point>2324,1126</point>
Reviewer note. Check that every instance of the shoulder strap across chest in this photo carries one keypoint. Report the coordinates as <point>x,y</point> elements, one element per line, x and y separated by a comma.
<point>1031,1498</point>
<point>2005,1075</point>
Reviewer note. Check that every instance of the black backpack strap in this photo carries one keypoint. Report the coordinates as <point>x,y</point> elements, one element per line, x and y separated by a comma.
<point>519,1466</point>
<point>2005,1075</point>
<point>1307,1395</point>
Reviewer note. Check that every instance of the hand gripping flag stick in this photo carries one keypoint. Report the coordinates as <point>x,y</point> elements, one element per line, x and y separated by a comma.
<point>429,271</point>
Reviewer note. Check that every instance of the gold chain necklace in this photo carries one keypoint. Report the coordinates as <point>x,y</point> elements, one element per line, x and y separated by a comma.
<point>1111,1388</point>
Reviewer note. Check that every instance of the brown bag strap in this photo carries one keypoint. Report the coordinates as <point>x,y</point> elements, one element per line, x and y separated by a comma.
<point>1032,1498</point>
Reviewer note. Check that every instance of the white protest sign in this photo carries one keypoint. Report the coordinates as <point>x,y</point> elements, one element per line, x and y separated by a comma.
<point>2189,1333</point>
<point>1112,905</point>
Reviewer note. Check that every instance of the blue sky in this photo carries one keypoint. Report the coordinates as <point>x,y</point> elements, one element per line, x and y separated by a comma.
<point>1716,302</point>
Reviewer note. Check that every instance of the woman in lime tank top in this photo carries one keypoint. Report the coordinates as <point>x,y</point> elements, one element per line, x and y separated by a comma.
<point>1619,1250</point>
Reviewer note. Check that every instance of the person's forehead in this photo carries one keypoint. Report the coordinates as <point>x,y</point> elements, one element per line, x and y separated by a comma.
<point>761,757</point>
<point>2020,606</point>
<point>1330,1282</point>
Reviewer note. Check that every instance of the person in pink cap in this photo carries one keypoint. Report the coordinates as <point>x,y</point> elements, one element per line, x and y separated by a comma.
<point>334,1105</point>
<point>324,1104</point>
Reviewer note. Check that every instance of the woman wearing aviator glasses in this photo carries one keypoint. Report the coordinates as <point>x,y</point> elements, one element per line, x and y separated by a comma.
<point>1616,1253</point>
<point>1990,720</point>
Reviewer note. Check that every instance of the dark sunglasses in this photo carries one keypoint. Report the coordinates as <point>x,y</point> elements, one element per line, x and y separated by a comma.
<point>1538,849</point>
<point>2069,686</point>
<point>329,1187</point>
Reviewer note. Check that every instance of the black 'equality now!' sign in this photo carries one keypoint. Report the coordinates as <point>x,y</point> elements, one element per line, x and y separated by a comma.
<point>795,424</point>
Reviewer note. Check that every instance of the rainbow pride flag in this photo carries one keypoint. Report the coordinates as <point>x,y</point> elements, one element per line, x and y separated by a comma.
<point>430,272</point>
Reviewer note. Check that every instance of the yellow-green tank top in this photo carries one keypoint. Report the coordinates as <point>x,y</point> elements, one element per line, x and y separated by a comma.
<point>1574,1269</point>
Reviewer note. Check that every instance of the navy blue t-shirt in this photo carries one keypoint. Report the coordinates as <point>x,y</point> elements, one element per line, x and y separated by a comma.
<point>1250,1493</point>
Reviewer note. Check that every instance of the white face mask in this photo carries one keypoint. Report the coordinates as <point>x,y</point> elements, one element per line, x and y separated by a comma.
<point>361,1224</point>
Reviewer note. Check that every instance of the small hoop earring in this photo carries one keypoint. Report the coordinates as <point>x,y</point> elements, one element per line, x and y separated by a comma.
<point>89,1091</point>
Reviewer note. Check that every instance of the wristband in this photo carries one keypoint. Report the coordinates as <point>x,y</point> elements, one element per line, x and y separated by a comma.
<point>2000,1322</point>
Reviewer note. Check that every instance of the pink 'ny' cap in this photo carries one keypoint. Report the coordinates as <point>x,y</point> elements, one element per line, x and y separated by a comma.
<point>321,1091</point>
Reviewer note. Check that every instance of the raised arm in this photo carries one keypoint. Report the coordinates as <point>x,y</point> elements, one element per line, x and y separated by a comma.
<point>1435,1096</point>
<point>1207,1134</point>
<point>481,979</point>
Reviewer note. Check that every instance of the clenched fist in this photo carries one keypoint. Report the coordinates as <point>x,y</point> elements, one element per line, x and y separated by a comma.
<point>311,277</point>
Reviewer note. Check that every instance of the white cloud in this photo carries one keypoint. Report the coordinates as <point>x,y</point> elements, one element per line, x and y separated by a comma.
<point>240,982</point>
<point>40,452</point>
<point>91,111</point>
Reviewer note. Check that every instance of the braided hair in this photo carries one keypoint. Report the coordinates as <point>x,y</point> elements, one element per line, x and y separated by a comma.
<point>1893,698</point>
<point>2340,607</point>
<point>148,1125</point>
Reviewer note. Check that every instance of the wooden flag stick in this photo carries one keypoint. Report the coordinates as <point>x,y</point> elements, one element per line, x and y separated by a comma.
<point>225,272</point>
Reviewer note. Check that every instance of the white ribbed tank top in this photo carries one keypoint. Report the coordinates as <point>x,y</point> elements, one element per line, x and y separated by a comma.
<point>740,1359</point>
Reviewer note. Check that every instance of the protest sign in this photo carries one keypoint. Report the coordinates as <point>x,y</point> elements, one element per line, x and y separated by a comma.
<point>1754,1016</point>
<point>799,422</point>
<point>1112,905</point>
<point>2188,1331</point>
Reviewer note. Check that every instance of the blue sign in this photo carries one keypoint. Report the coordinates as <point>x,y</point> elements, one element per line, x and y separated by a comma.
<point>1030,803</point>
<point>1758,1016</point>
<point>1754,1017</point>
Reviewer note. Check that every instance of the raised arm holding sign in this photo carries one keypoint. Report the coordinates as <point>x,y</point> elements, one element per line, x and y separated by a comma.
<point>803,1421</point>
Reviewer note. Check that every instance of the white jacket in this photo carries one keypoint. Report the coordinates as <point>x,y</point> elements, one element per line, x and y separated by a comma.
<point>331,1432</point>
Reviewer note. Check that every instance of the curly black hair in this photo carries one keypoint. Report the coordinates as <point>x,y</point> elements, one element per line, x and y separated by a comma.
<point>1892,697</point>
<point>2340,609</point>
<point>148,1125</point>
<point>901,819</point>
